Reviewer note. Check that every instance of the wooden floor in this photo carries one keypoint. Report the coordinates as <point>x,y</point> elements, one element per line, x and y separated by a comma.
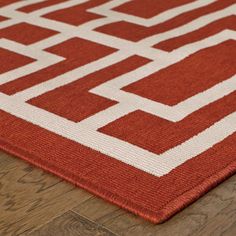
<point>35,203</point>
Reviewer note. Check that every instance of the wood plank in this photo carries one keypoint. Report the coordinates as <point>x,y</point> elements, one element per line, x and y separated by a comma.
<point>71,224</point>
<point>215,212</point>
<point>223,223</point>
<point>30,197</point>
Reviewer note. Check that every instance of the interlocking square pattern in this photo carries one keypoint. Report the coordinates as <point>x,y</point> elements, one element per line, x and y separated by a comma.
<point>133,100</point>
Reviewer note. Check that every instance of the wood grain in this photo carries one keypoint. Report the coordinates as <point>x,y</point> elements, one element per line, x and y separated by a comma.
<point>71,224</point>
<point>33,202</point>
<point>30,197</point>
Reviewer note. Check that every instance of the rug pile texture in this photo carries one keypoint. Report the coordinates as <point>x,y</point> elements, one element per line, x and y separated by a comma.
<point>132,100</point>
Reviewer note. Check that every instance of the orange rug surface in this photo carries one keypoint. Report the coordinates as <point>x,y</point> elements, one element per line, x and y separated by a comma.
<point>132,100</point>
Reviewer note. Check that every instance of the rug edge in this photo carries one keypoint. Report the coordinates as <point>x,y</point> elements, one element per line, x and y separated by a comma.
<point>165,213</point>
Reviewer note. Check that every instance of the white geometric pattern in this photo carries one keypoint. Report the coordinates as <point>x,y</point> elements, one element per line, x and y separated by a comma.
<point>85,132</point>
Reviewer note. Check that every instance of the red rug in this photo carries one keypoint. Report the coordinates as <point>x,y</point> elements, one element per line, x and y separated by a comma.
<point>133,100</point>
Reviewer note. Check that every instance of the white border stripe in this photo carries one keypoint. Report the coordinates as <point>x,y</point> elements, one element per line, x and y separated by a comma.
<point>157,165</point>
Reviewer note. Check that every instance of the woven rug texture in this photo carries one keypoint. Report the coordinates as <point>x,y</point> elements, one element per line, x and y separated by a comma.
<point>132,100</point>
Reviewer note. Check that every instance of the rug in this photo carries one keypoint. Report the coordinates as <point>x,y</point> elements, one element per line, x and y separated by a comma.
<point>132,100</point>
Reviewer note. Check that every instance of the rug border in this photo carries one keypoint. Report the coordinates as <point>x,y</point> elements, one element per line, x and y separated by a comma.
<point>166,212</point>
